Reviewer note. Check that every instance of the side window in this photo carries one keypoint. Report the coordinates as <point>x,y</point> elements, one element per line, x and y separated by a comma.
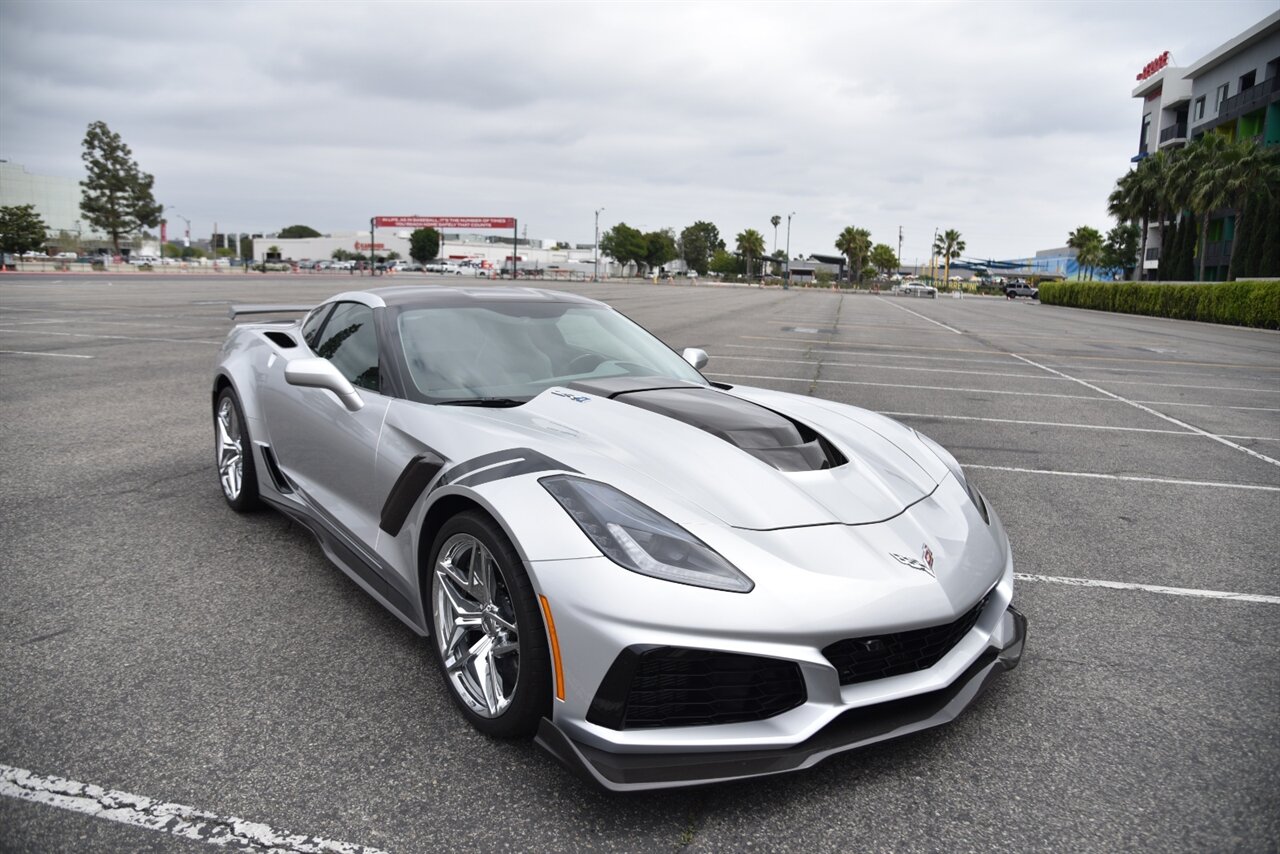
<point>311,327</point>
<point>351,343</point>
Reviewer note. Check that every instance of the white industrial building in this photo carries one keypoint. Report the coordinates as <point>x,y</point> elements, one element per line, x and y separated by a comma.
<point>494,252</point>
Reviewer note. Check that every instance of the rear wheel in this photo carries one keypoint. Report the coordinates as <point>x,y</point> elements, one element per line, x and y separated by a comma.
<point>487,631</point>
<point>234,454</point>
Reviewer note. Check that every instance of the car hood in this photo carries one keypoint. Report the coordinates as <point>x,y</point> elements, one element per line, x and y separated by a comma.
<point>723,451</point>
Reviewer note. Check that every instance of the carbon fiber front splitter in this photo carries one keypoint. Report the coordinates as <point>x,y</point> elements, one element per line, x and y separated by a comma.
<point>855,728</point>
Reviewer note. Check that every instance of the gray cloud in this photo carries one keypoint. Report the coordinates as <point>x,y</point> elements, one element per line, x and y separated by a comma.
<point>1007,121</point>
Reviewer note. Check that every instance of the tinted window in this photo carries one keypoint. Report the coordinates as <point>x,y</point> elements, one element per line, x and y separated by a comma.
<point>351,343</point>
<point>311,328</point>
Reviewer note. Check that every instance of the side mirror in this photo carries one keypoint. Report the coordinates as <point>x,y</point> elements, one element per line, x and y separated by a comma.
<point>697,358</point>
<point>320,373</point>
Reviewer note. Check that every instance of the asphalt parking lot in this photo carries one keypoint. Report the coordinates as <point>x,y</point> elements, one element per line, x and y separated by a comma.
<point>155,643</point>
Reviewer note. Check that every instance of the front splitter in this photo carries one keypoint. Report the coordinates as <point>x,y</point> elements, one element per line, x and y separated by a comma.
<point>623,772</point>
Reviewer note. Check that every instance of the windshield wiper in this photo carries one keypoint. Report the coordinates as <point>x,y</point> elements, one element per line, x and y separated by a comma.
<point>491,402</point>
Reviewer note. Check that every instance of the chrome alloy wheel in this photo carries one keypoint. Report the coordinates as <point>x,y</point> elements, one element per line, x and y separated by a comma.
<point>230,450</point>
<point>475,626</point>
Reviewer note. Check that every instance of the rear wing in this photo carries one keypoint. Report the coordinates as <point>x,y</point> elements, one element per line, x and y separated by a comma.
<point>238,310</point>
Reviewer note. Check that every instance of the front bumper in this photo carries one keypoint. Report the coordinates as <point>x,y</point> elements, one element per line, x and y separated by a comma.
<point>855,728</point>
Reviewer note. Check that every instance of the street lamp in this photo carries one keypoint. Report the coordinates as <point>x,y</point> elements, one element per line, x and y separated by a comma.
<point>186,238</point>
<point>933,259</point>
<point>786,283</point>
<point>595,276</point>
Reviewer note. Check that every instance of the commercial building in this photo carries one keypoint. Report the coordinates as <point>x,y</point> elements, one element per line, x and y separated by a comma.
<point>56,200</point>
<point>1233,90</point>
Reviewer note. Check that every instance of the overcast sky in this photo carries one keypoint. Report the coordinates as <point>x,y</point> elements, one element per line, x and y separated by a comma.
<point>1007,121</point>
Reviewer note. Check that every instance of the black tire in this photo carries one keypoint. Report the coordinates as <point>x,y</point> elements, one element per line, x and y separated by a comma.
<point>228,419</point>
<point>513,596</point>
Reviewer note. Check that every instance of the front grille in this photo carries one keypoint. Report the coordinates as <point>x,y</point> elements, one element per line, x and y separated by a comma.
<point>880,656</point>
<point>674,686</point>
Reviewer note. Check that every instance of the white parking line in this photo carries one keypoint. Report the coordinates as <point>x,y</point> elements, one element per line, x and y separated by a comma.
<point>1064,424</point>
<point>1150,588</point>
<point>175,819</point>
<point>874,367</point>
<point>904,385</point>
<point>1205,405</point>
<point>31,353</point>
<point>1132,477</point>
<point>812,349</point>
<point>922,317</point>
<point>112,337</point>
<point>1158,414</point>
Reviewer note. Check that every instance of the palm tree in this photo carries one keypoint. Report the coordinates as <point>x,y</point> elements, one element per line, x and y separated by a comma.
<point>750,245</point>
<point>1087,241</point>
<point>1204,176</point>
<point>1242,168</point>
<point>948,245</point>
<point>855,244</point>
<point>775,221</point>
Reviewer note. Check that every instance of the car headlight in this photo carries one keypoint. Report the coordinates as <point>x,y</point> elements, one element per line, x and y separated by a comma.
<point>641,540</point>
<point>943,454</point>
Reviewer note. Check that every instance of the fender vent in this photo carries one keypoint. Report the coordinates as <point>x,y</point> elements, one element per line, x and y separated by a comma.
<point>278,479</point>
<point>281,339</point>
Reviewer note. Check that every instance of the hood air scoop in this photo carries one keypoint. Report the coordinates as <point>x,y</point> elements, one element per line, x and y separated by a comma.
<point>764,434</point>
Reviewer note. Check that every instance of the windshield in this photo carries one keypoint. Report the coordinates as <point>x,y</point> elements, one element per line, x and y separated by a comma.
<point>515,351</point>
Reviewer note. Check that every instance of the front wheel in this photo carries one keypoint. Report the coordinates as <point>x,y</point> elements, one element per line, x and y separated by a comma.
<point>488,634</point>
<point>234,454</point>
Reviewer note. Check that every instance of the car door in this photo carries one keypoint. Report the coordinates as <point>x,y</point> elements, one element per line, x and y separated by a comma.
<point>326,450</point>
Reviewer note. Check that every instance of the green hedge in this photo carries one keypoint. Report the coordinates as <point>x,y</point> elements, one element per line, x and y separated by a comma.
<point>1236,303</point>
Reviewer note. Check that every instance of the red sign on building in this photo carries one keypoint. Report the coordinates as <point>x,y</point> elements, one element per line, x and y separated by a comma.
<point>1154,65</point>
<point>458,222</point>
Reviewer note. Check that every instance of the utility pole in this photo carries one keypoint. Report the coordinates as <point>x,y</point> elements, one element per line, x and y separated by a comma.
<point>933,259</point>
<point>786,283</point>
<point>595,277</point>
<point>899,270</point>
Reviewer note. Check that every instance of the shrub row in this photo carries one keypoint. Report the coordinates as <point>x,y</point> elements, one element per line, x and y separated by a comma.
<point>1236,303</point>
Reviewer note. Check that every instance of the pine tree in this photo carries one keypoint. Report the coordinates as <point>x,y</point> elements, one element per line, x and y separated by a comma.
<point>117,194</point>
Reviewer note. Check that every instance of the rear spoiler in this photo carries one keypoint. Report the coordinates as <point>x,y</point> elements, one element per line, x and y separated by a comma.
<point>237,310</point>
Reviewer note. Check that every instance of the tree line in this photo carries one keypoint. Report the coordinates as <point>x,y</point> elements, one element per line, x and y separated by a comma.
<point>1182,190</point>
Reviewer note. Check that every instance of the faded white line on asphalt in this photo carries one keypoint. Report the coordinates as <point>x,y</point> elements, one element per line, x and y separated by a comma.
<point>32,353</point>
<point>1230,444</point>
<point>812,349</point>
<point>174,819</point>
<point>921,316</point>
<point>1131,477</point>
<point>115,337</point>
<point>904,385</point>
<point>825,364</point>
<point>1150,588</point>
<point>1062,424</point>
<point>1206,405</point>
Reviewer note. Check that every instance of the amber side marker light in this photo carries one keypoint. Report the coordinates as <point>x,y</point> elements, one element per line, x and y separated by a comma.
<point>555,646</point>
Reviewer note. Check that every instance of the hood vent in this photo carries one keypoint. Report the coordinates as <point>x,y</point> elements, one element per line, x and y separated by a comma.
<point>764,434</point>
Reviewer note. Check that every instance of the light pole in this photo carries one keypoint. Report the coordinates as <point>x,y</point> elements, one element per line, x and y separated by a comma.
<point>595,276</point>
<point>933,259</point>
<point>786,283</point>
<point>899,270</point>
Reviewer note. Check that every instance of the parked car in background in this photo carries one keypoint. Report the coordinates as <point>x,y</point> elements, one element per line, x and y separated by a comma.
<point>916,289</point>
<point>1022,290</point>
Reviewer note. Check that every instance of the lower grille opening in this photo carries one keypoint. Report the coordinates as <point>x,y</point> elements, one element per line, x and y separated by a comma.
<point>880,656</point>
<point>673,686</point>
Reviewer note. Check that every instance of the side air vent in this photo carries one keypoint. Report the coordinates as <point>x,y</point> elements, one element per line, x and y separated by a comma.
<point>273,469</point>
<point>281,339</point>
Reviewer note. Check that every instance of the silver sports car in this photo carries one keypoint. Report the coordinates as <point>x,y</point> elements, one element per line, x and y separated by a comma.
<point>667,581</point>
